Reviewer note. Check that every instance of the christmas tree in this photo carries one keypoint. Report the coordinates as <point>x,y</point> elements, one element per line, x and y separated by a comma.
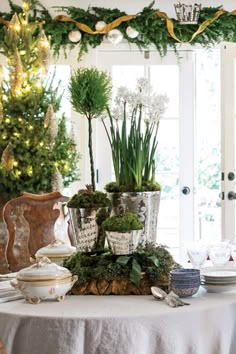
<point>36,153</point>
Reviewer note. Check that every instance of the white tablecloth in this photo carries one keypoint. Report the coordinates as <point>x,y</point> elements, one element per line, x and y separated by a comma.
<point>120,325</point>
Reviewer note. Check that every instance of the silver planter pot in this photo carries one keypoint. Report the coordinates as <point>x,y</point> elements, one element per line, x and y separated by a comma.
<point>123,243</point>
<point>145,205</point>
<point>84,228</point>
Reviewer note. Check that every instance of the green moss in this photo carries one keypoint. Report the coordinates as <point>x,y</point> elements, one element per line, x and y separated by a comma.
<point>89,200</point>
<point>122,223</point>
<point>155,261</point>
<point>148,186</point>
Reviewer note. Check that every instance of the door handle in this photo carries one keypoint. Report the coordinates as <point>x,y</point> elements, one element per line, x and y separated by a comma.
<point>231,195</point>
<point>185,190</point>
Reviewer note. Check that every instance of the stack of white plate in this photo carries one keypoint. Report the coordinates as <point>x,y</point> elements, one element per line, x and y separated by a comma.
<point>7,292</point>
<point>218,279</point>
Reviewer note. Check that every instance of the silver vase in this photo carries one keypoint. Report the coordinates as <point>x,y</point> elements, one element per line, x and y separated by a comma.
<point>84,228</point>
<point>145,205</point>
<point>123,243</point>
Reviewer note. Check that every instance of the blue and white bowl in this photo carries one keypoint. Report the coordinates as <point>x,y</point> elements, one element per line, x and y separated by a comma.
<point>185,282</point>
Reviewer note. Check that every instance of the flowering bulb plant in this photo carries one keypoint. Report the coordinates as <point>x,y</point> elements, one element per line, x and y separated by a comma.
<point>134,122</point>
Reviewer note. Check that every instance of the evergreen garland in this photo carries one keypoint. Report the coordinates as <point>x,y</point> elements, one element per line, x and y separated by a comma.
<point>152,29</point>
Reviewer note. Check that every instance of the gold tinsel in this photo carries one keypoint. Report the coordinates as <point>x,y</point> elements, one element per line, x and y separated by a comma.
<point>16,74</point>
<point>57,182</point>
<point>7,159</point>
<point>44,53</point>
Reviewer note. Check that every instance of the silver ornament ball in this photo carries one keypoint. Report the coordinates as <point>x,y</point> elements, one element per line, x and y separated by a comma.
<point>74,36</point>
<point>114,36</point>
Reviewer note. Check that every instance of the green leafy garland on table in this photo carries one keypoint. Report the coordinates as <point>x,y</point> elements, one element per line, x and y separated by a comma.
<point>154,27</point>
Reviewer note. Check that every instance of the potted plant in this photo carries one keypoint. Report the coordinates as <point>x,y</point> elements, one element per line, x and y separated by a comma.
<point>90,91</point>
<point>83,208</point>
<point>133,144</point>
<point>123,232</point>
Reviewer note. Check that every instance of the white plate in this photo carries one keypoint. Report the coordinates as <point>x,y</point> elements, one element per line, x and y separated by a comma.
<point>5,285</point>
<point>7,276</point>
<point>214,272</point>
<point>218,280</point>
<point>212,288</point>
<point>11,298</point>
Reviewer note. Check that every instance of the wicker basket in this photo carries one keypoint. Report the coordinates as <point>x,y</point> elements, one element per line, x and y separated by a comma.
<point>121,286</point>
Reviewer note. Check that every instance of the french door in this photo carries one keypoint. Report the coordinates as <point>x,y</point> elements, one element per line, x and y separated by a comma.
<point>175,157</point>
<point>228,110</point>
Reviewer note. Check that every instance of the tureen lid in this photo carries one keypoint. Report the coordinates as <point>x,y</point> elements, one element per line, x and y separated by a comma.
<point>55,249</point>
<point>43,269</point>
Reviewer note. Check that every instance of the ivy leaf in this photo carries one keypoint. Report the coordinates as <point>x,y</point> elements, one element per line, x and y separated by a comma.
<point>135,273</point>
<point>122,260</point>
<point>154,260</point>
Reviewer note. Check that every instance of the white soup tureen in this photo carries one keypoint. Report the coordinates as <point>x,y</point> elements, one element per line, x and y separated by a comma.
<point>44,280</point>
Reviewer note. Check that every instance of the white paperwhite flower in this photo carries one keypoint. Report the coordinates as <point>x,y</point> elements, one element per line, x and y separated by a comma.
<point>153,105</point>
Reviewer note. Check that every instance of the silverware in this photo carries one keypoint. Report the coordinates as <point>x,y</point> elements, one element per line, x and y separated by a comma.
<point>170,299</point>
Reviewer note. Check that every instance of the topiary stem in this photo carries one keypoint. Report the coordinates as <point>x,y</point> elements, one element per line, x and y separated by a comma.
<point>90,146</point>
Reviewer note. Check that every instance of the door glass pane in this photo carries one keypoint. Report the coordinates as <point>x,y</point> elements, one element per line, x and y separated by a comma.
<point>165,78</point>
<point>208,136</point>
<point>126,75</point>
<point>167,173</point>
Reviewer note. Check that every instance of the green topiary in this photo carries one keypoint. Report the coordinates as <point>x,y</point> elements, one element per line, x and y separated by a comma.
<point>90,92</point>
<point>122,223</point>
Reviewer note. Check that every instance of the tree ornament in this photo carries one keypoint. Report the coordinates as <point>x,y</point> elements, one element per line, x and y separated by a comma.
<point>57,181</point>
<point>7,159</point>
<point>44,53</point>
<point>114,36</point>
<point>16,74</point>
<point>131,32</point>
<point>48,116</point>
<point>1,75</point>
<point>100,25</point>
<point>14,28</point>
<point>53,127</point>
<point>50,122</point>
<point>74,36</point>
<point>1,110</point>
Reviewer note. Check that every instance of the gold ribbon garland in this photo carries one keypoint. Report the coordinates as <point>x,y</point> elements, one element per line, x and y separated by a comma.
<point>87,29</point>
<point>125,18</point>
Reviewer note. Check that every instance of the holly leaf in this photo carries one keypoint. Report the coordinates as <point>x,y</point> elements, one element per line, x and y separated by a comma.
<point>135,273</point>
<point>122,260</point>
<point>154,260</point>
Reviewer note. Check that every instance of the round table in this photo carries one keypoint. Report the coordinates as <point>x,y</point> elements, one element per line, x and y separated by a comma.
<point>120,325</point>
